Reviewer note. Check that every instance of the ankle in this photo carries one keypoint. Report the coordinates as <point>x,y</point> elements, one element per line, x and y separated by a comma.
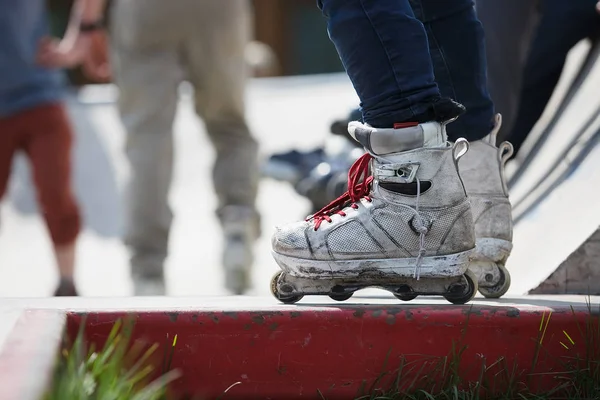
<point>65,259</point>
<point>440,110</point>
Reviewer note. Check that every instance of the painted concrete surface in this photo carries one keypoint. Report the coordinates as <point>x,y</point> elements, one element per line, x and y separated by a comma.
<point>262,350</point>
<point>9,315</point>
<point>268,303</point>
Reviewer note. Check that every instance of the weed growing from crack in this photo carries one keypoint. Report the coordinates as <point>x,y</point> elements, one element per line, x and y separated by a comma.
<point>118,371</point>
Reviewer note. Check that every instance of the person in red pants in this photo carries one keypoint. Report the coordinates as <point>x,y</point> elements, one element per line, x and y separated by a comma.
<point>33,120</point>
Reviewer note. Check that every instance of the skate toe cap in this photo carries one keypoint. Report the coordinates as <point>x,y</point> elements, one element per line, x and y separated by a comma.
<point>291,240</point>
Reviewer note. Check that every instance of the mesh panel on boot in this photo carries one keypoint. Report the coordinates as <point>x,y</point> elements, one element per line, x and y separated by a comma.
<point>442,224</point>
<point>351,238</point>
<point>397,225</point>
<point>479,206</point>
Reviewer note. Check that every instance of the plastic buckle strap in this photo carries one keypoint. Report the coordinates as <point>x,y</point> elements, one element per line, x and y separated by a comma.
<point>399,173</point>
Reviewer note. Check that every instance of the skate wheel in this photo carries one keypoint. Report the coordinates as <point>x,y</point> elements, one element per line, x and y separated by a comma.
<point>340,296</point>
<point>466,295</point>
<point>405,296</point>
<point>500,289</point>
<point>284,298</point>
<point>404,293</point>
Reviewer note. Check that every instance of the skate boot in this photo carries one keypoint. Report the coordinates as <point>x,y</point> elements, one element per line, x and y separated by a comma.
<point>240,230</point>
<point>407,229</point>
<point>482,171</point>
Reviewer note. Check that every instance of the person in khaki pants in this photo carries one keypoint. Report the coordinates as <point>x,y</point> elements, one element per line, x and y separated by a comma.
<point>155,45</point>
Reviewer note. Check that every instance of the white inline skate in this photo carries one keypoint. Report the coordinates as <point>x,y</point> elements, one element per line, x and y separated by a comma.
<point>482,171</point>
<point>407,229</point>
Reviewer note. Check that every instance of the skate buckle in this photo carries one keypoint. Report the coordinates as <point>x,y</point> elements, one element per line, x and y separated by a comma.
<point>400,173</point>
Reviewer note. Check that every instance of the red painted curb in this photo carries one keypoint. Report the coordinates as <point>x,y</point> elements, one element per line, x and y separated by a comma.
<point>28,356</point>
<point>303,352</point>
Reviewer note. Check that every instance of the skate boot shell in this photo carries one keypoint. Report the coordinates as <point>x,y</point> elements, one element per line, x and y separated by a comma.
<point>482,171</point>
<point>408,228</point>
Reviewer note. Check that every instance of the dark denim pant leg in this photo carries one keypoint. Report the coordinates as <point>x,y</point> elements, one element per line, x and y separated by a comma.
<point>457,48</point>
<point>509,28</point>
<point>563,24</point>
<point>384,50</point>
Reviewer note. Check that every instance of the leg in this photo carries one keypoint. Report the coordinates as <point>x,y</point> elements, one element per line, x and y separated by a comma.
<point>456,43</point>
<point>48,144</point>
<point>509,27</point>
<point>9,143</point>
<point>388,62</point>
<point>147,74</point>
<point>218,72</point>
<point>547,57</point>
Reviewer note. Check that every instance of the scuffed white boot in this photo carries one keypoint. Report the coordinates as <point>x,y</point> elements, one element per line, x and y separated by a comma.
<point>482,171</point>
<point>407,229</point>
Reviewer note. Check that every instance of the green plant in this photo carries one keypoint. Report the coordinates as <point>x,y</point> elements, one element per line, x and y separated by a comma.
<point>119,371</point>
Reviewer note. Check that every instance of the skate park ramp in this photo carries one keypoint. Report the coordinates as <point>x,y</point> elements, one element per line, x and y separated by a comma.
<point>555,198</point>
<point>284,113</point>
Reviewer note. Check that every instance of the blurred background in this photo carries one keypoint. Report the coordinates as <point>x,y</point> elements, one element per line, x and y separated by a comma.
<point>298,101</point>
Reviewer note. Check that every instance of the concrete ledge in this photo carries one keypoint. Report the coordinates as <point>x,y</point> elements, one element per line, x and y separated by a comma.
<point>28,356</point>
<point>260,349</point>
<point>297,352</point>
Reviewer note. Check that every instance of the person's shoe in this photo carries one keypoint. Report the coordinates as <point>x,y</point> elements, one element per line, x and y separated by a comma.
<point>66,287</point>
<point>412,218</point>
<point>148,286</point>
<point>293,165</point>
<point>482,171</point>
<point>240,230</point>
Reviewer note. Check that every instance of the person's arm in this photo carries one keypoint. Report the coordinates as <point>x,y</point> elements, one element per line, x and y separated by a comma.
<point>85,23</point>
<point>86,16</point>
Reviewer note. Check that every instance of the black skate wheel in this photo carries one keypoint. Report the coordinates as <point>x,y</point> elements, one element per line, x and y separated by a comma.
<point>499,289</point>
<point>467,295</point>
<point>340,296</point>
<point>404,293</point>
<point>284,298</point>
<point>405,296</point>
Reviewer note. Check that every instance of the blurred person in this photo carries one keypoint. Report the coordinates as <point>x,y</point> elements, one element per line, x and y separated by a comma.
<point>509,28</point>
<point>527,46</point>
<point>33,120</point>
<point>156,44</point>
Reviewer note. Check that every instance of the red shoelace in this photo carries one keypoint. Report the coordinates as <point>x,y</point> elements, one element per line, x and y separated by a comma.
<point>359,186</point>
